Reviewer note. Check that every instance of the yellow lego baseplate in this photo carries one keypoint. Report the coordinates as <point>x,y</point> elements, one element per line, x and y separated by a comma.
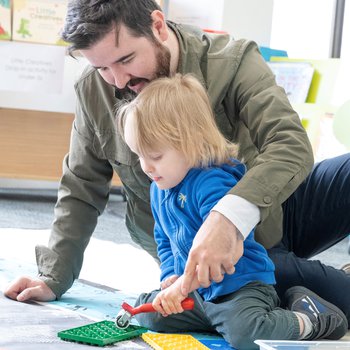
<point>172,342</point>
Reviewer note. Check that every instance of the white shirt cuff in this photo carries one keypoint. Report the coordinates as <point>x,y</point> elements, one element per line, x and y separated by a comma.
<point>243,214</point>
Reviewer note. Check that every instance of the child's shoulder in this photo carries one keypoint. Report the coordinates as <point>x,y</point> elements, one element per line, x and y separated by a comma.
<point>234,169</point>
<point>226,175</point>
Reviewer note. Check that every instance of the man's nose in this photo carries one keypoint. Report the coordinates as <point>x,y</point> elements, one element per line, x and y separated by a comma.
<point>121,78</point>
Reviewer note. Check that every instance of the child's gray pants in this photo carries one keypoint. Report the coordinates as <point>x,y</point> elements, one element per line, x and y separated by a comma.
<point>241,317</point>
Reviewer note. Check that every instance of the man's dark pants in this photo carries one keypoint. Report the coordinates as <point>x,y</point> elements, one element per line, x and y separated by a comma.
<point>316,217</point>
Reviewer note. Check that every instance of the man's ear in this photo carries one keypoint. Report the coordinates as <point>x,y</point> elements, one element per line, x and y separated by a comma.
<point>159,27</point>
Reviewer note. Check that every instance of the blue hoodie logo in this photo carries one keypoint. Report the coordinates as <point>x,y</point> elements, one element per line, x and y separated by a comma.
<point>182,198</point>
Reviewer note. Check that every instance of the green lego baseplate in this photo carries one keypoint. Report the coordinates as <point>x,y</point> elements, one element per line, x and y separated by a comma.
<point>101,333</point>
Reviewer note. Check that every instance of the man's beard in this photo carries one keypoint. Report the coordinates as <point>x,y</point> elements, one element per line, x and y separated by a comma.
<point>163,62</point>
<point>162,65</point>
<point>163,57</point>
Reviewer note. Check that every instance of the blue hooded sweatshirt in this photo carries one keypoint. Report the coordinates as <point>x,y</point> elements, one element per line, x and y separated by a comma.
<point>179,213</point>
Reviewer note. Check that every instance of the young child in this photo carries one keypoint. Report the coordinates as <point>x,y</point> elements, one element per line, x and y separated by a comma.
<point>171,128</point>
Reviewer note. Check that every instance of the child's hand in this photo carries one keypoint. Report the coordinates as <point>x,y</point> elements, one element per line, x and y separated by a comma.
<point>168,281</point>
<point>168,301</point>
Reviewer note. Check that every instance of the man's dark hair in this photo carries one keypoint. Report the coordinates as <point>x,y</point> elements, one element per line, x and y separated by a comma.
<point>88,21</point>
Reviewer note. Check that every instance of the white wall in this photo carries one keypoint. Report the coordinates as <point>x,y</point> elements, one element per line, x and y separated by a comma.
<point>303,27</point>
<point>249,19</point>
<point>201,13</point>
<point>345,50</point>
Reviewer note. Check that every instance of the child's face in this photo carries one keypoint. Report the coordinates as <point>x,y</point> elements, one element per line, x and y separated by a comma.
<point>167,167</point>
<point>164,165</point>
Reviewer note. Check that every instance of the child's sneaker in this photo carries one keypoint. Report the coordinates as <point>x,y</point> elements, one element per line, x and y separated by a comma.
<point>328,321</point>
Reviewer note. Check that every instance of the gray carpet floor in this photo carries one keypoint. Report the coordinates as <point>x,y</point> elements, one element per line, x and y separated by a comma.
<point>34,209</point>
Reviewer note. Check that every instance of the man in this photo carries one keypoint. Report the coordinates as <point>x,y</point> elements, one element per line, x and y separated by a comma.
<point>128,43</point>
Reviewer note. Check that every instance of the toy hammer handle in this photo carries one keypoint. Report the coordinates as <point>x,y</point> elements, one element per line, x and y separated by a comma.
<point>187,304</point>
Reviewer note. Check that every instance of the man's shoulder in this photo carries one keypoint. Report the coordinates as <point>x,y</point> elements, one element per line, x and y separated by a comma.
<point>88,77</point>
<point>213,45</point>
<point>93,92</point>
<point>225,54</point>
<point>209,56</point>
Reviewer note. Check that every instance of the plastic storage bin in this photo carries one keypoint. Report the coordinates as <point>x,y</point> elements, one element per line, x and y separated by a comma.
<point>302,345</point>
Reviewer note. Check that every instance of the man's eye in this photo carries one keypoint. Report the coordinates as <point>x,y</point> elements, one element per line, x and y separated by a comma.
<point>156,157</point>
<point>126,61</point>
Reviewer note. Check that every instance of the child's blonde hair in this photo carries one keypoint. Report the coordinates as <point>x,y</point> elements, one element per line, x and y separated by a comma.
<point>176,111</point>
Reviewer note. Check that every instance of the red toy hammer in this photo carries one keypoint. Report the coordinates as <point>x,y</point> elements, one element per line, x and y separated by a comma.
<point>124,316</point>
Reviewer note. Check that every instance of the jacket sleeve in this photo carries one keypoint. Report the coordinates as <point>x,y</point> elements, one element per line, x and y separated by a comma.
<point>82,196</point>
<point>278,155</point>
<point>211,186</point>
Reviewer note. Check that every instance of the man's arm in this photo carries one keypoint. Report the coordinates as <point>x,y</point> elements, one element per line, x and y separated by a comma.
<point>278,154</point>
<point>272,142</point>
<point>82,196</point>
<point>243,214</point>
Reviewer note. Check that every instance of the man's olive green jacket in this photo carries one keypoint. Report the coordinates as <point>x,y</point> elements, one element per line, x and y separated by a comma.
<point>250,110</point>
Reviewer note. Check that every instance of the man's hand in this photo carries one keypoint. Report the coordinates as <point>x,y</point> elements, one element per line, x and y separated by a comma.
<point>27,288</point>
<point>216,249</point>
